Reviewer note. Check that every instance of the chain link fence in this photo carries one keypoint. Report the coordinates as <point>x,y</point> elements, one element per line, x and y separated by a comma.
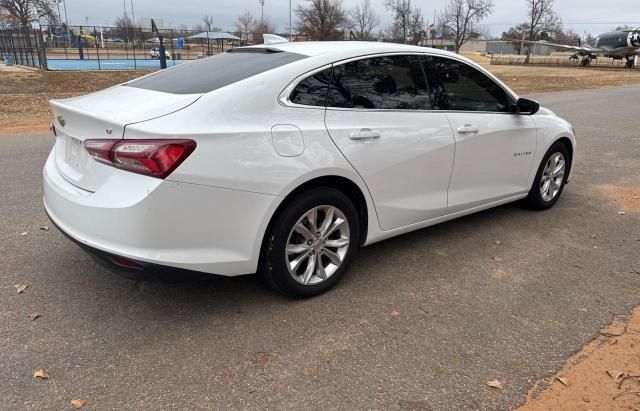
<point>115,48</point>
<point>24,46</point>
<point>554,61</point>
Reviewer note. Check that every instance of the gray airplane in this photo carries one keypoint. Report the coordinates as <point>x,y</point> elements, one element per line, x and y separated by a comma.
<point>616,45</point>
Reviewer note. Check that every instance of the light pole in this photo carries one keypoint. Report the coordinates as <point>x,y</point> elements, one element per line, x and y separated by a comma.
<point>290,26</point>
<point>59,15</point>
<point>133,14</point>
<point>68,28</point>
<point>262,16</point>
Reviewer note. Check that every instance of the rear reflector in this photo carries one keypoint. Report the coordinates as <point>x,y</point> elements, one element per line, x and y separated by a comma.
<point>155,158</point>
<point>125,262</point>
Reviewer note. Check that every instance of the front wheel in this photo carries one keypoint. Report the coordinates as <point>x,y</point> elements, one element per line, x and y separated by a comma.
<point>311,243</point>
<point>550,178</point>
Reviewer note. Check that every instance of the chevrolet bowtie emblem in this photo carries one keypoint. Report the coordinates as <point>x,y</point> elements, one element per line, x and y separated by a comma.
<point>62,121</point>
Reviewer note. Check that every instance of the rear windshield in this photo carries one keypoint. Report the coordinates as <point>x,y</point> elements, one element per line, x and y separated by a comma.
<point>212,73</point>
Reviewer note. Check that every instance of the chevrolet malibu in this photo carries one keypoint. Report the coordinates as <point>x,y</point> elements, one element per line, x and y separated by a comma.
<point>285,158</point>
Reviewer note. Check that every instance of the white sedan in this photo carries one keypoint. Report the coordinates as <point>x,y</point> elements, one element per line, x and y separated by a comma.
<point>284,159</point>
<point>155,53</point>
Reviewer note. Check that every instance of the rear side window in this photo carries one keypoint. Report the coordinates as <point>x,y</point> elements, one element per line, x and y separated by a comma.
<point>215,72</point>
<point>313,90</point>
<point>389,82</point>
<point>458,86</point>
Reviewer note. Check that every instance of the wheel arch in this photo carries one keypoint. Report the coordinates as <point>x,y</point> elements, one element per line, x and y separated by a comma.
<point>344,184</point>
<point>569,145</point>
<point>567,142</point>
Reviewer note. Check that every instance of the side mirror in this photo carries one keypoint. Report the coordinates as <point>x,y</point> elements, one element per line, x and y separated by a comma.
<point>528,107</point>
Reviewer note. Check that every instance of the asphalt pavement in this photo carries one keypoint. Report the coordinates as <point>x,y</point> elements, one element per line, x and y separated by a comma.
<point>422,321</point>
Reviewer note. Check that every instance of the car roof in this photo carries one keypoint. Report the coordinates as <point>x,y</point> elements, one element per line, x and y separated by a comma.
<point>342,48</point>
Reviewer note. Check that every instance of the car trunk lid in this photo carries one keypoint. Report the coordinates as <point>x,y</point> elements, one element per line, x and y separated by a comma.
<point>103,115</point>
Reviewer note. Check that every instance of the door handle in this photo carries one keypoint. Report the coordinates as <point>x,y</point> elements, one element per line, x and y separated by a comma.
<point>467,129</point>
<point>364,134</point>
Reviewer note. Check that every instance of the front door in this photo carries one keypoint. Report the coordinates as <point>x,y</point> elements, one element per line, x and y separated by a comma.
<point>494,147</point>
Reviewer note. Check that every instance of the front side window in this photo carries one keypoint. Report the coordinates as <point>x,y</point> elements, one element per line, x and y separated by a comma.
<point>313,90</point>
<point>457,86</point>
<point>389,82</point>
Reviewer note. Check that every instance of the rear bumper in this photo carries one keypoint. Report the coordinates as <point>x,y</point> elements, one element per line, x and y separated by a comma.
<point>161,224</point>
<point>135,270</point>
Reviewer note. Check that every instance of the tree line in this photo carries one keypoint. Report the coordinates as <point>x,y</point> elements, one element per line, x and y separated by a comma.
<point>459,21</point>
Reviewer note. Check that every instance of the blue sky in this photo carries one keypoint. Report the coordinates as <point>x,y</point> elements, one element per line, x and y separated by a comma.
<point>594,16</point>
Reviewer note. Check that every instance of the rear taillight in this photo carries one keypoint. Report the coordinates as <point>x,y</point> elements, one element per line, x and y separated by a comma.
<point>155,158</point>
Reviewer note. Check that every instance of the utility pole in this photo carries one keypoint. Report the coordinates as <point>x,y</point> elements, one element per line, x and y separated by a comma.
<point>290,23</point>
<point>59,15</point>
<point>68,28</point>
<point>262,16</point>
<point>133,14</point>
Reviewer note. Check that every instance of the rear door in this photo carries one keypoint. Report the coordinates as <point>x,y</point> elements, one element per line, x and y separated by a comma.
<point>378,114</point>
<point>494,147</point>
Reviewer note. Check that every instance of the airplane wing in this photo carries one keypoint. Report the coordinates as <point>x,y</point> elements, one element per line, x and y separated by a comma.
<point>581,50</point>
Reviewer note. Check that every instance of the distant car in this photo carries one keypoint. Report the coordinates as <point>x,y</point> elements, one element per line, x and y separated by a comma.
<point>293,156</point>
<point>155,53</point>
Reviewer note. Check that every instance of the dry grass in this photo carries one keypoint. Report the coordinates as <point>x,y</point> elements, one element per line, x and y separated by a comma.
<point>24,93</point>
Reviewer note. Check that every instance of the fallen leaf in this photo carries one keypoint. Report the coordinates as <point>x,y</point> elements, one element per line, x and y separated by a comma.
<point>77,404</point>
<point>495,384</point>
<point>563,381</point>
<point>20,288</point>
<point>24,233</point>
<point>44,228</point>
<point>497,242</point>
<point>615,374</point>
<point>34,316</point>
<point>259,358</point>
<point>394,313</point>
<point>621,213</point>
<point>41,373</point>
<point>497,259</point>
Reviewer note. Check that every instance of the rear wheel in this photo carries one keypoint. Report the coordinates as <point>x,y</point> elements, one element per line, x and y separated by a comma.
<point>311,243</point>
<point>550,178</point>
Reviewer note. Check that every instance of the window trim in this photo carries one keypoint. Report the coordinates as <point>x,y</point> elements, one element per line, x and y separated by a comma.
<point>283,97</point>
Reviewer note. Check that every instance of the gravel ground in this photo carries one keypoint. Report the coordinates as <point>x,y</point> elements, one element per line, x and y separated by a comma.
<point>422,321</point>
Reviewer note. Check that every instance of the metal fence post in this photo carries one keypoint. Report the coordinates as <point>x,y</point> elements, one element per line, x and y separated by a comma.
<point>42,51</point>
<point>95,36</point>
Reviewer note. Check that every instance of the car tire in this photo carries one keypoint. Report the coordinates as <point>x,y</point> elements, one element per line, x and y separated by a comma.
<point>550,179</point>
<point>290,239</point>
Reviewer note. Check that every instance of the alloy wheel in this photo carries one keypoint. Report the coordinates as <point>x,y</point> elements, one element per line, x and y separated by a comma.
<point>317,245</point>
<point>552,177</point>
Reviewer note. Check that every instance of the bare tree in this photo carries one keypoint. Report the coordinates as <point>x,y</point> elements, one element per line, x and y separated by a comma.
<point>124,26</point>
<point>265,26</point>
<point>28,11</point>
<point>321,19</point>
<point>461,17</point>
<point>363,20</point>
<point>208,22</point>
<point>517,35</point>
<point>244,24</point>
<point>402,11</point>
<point>416,26</point>
<point>542,18</point>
